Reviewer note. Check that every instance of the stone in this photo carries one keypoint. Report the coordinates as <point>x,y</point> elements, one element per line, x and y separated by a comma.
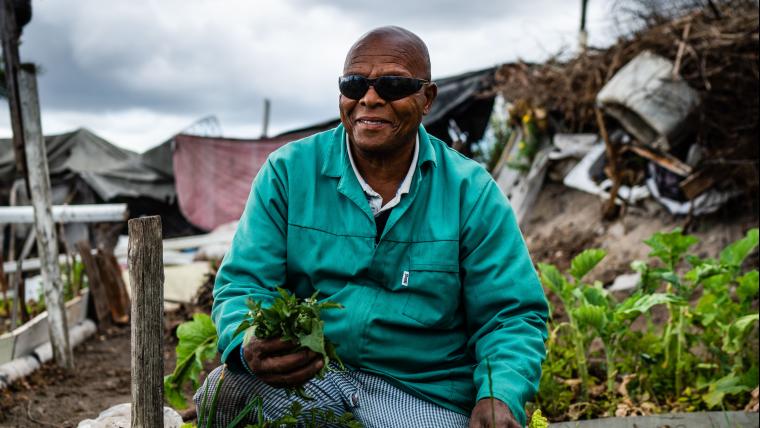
<point>120,416</point>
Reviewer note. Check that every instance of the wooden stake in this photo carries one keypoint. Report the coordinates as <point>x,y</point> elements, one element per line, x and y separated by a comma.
<point>97,289</point>
<point>47,242</point>
<point>117,302</point>
<point>146,275</point>
<point>9,33</point>
<point>610,209</point>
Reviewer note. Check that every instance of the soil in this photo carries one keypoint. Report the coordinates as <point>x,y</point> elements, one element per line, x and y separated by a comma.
<point>562,223</point>
<point>56,398</point>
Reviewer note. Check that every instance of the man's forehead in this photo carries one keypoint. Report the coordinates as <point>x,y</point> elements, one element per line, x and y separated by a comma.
<point>385,54</point>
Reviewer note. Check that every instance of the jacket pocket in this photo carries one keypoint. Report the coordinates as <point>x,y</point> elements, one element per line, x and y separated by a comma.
<point>432,283</point>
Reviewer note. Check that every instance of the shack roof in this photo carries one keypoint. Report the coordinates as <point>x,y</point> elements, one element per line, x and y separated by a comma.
<point>109,170</point>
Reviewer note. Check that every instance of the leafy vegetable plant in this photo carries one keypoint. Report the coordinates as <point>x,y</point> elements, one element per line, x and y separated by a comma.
<point>197,343</point>
<point>293,320</point>
<point>703,355</point>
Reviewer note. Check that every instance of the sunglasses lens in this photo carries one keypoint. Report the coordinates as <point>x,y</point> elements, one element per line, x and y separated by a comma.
<point>393,88</point>
<point>390,88</point>
<point>353,87</point>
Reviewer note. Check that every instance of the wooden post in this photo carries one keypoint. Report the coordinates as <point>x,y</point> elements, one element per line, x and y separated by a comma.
<point>265,121</point>
<point>47,242</point>
<point>9,32</point>
<point>118,302</point>
<point>610,209</point>
<point>146,275</point>
<point>97,289</point>
<point>583,34</point>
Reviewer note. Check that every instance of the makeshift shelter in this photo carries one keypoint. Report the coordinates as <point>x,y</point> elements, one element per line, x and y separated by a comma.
<point>85,168</point>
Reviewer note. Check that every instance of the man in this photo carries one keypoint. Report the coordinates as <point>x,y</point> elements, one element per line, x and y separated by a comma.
<point>413,239</point>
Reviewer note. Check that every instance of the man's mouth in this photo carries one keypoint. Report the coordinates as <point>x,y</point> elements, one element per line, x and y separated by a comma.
<point>371,122</point>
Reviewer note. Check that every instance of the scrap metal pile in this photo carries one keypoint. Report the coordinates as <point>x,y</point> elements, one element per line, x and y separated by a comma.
<point>702,61</point>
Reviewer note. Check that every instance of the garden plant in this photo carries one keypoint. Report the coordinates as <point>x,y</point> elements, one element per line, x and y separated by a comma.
<point>696,352</point>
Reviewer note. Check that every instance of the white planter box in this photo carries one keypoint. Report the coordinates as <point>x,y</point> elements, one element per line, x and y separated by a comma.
<point>24,339</point>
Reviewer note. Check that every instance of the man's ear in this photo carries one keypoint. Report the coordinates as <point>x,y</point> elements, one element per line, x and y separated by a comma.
<point>431,91</point>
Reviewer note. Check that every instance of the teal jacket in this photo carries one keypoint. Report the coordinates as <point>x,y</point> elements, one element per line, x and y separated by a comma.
<point>449,284</point>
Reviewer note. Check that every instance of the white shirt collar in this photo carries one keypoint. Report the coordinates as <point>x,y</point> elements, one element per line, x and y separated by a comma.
<point>374,198</point>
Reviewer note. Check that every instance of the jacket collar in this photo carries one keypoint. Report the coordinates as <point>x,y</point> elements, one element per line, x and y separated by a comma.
<point>335,157</point>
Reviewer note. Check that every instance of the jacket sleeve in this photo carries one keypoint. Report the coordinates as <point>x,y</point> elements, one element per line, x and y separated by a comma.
<point>255,263</point>
<point>505,304</point>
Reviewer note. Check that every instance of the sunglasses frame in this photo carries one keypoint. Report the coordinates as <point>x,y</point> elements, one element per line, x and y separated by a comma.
<point>420,83</point>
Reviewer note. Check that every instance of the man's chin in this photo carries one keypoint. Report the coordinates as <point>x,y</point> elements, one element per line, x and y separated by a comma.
<point>372,144</point>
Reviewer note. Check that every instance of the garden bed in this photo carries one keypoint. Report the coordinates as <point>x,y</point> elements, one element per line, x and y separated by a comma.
<point>25,338</point>
<point>691,420</point>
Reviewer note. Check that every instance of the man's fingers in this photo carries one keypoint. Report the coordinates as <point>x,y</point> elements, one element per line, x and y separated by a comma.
<point>272,346</point>
<point>288,363</point>
<point>296,378</point>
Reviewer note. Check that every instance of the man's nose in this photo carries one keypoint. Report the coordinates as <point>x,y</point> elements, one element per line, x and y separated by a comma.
<point>371,98</point>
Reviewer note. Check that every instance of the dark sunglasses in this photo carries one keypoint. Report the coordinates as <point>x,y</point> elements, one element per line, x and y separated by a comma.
<point>390,88</point>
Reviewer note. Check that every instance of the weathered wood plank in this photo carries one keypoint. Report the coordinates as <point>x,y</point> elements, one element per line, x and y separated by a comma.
<point>99,295</point>
<point>119,312</point>
<point>47,242</point>
<point>146,275</point>
<point>121,286</point>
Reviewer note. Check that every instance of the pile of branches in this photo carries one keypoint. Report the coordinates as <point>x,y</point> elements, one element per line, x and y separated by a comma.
<point>714,47</point>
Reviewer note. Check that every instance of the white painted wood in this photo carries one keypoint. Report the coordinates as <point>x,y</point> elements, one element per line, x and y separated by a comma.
<point>23,340</point>
<point>521,187</point>
<point>39,183</point>
<point>77,334</point>
<point>12,370</point>
<point>87,213</point>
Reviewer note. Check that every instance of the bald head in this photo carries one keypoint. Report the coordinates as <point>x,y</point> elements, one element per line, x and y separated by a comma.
<point>392,42</point>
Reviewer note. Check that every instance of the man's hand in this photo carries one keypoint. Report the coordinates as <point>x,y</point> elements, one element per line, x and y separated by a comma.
<point>482,417</point>
<point>274,362</point>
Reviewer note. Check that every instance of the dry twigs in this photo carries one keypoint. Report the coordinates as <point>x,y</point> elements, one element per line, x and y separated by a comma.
<point>715,50</point>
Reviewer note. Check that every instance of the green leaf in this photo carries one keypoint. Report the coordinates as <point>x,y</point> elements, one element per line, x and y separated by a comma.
<point>670,247</point>
<point>668,276</point>
<point>707,308</point>
<point>596,296</point>
<point>197,344</point>
<point>639,266</point>
<point>316,339</point>
<point>704,271</point>
<point>738,332</point>
<point>585,261</point>
<point>636,305</point>
<point>193,333</point>
<point>553,279</point>
<point>537,420</point>
<point>734,254</point>
<point>749,285</point>
<point>727,385</point>
<point>592,316</point>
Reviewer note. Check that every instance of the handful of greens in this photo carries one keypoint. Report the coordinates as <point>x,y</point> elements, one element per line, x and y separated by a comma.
<point>295,320</point>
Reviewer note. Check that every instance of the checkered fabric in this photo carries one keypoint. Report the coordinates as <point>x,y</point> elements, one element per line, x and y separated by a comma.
<point>373,401</point>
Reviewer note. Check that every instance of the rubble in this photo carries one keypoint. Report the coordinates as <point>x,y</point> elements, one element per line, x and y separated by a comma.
<point>679,95</point>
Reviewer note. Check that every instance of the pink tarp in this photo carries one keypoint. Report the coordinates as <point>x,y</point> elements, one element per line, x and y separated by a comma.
<point>213,175</point>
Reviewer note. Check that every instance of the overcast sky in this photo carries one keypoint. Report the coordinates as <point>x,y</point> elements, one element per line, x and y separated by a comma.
<point>138,71</point>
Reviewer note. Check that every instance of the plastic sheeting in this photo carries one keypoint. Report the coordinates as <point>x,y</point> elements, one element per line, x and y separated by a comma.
<point>110,171</point>
<point>213,176</point>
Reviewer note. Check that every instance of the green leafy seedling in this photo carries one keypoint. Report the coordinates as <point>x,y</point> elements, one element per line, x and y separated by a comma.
<point>197,344</point>
<point>295,320</point>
